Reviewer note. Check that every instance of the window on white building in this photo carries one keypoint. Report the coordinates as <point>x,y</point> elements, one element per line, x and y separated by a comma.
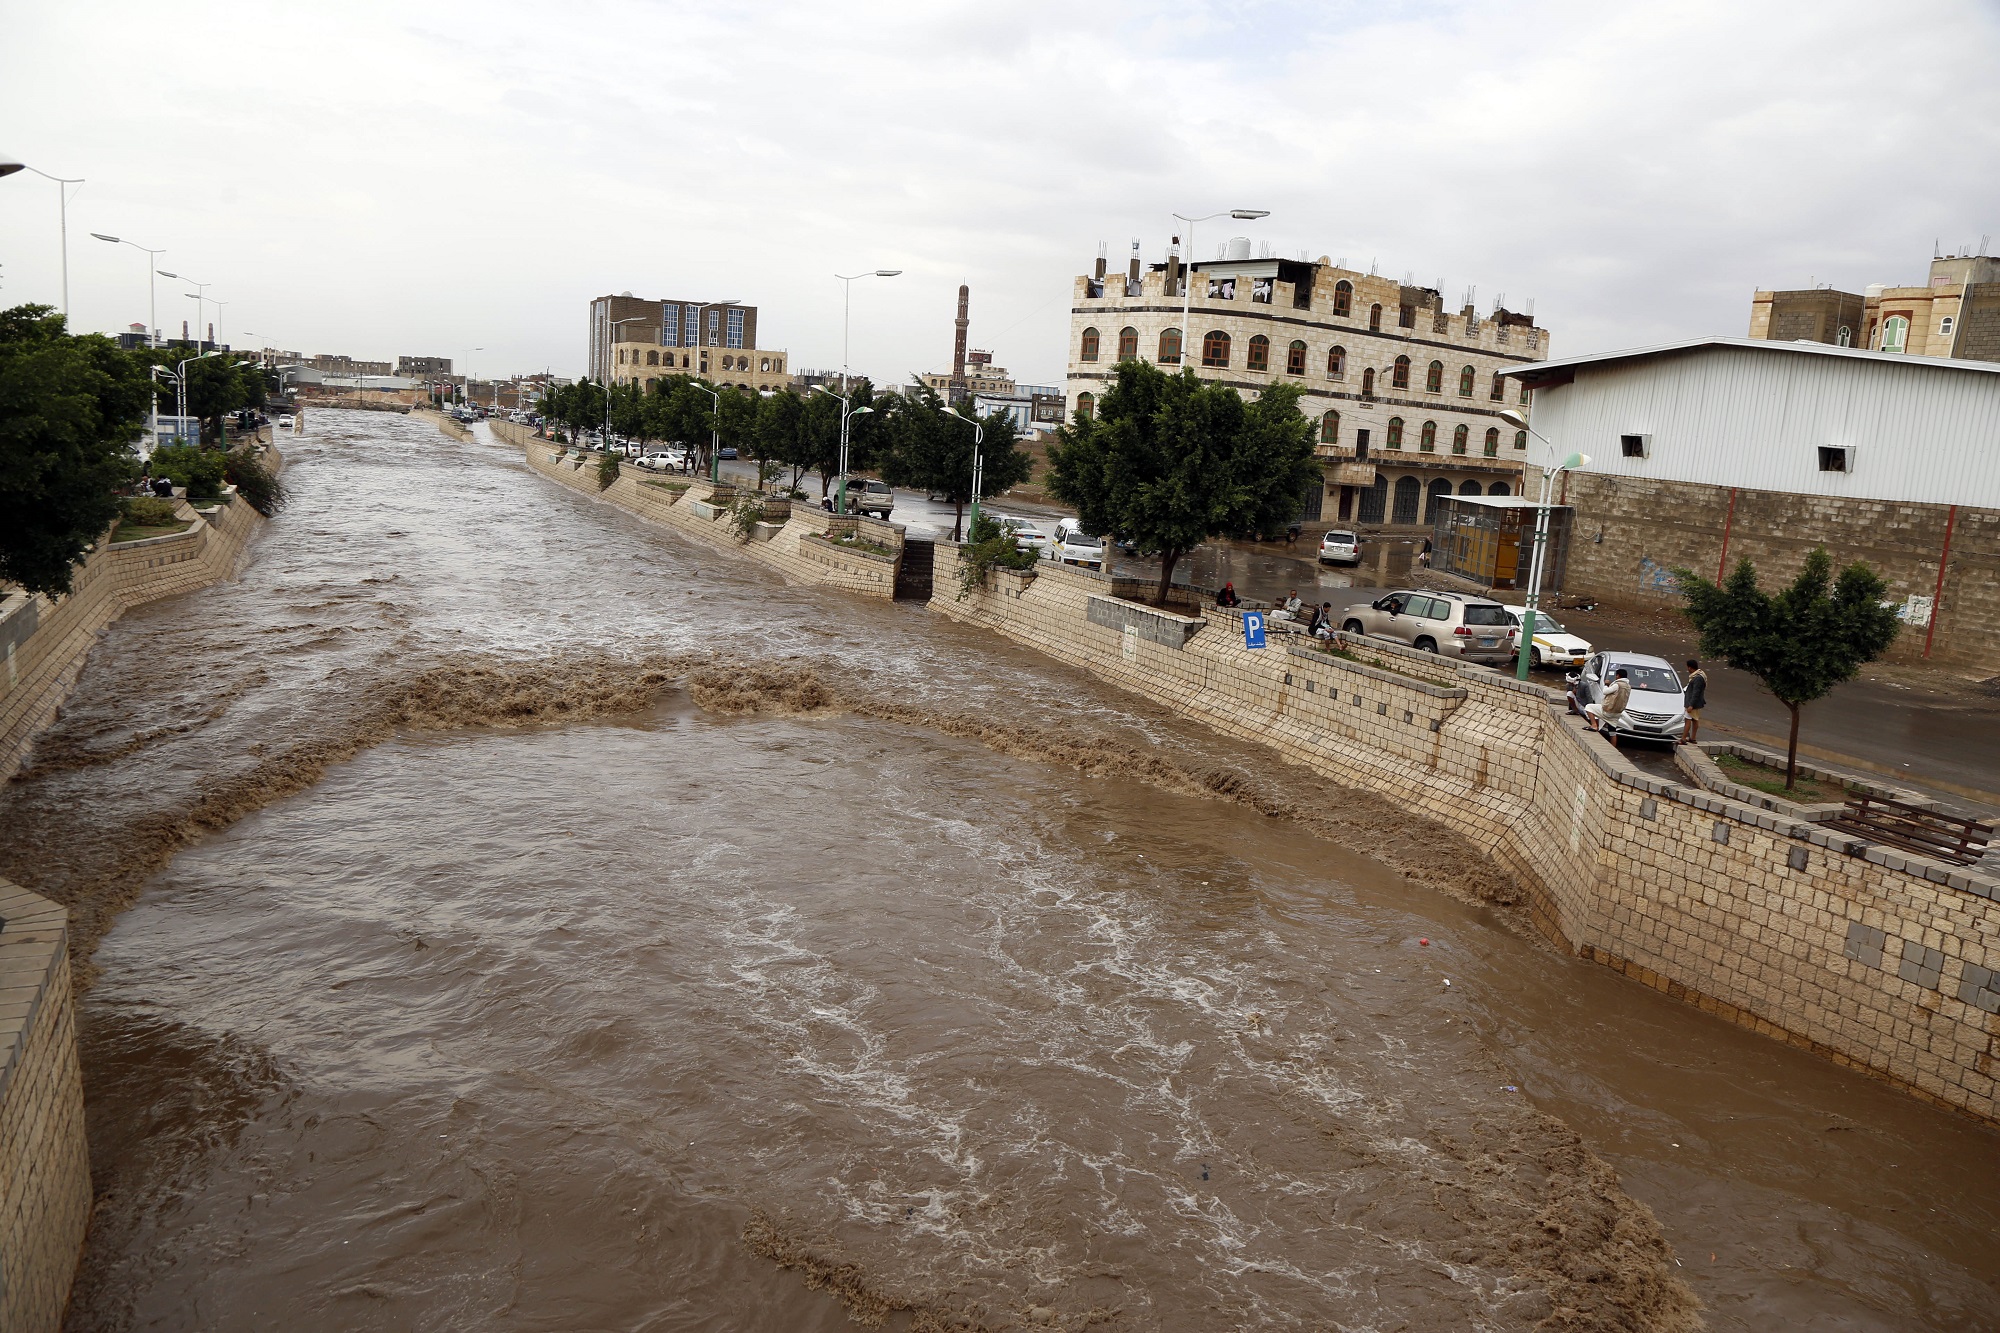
<point>1895,333</point>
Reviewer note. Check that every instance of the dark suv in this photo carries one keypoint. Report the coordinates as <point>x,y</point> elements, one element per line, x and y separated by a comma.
<point>1476,629</point>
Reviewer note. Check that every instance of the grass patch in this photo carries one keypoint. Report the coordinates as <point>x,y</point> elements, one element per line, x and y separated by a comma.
<point>675,486</point>
<point>856,542</point>
<point>1771,781</point>
<point>140,531</point>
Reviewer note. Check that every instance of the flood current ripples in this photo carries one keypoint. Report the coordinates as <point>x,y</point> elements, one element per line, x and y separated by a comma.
<point>507,915</point>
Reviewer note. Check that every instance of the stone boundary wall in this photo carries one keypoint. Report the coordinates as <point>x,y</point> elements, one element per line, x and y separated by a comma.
<point>44,1156</point>
<point>1875,959</point>
<point>451,426</point>
<point>42,664</point>
<point>797,548</point>
<point>1650,527</point>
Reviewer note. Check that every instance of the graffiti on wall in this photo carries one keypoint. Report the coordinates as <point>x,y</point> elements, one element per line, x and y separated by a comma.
<point>1656,577</point>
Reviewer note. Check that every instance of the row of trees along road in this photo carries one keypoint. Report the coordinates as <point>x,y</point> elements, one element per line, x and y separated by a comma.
<point>71,408</point>
<point>911,439</point>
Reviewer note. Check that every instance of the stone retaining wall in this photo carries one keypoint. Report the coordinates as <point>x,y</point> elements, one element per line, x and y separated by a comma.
<point>1875,959</point>
<point>798,547</point>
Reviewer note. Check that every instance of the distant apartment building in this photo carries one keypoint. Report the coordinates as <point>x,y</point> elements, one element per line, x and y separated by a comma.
<point>1956,314</point>
<point>981,377</point>
<point>635,340</point>
<point>1406,394</point>
<point>422,367</point>
<point>329,364</point>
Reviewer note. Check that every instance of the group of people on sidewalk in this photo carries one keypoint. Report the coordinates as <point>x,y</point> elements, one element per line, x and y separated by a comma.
<point>1618,694</point>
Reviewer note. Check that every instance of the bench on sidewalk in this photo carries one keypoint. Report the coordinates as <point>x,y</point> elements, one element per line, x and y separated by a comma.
<point>1911,828</point>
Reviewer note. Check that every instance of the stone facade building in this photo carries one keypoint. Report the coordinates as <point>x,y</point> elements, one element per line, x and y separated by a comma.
<point>1407,394</point>
<point>636,341</point>
<point>1956,314</point>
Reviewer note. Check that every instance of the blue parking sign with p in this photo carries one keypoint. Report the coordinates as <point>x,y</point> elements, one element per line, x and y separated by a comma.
<point>1253,629</point>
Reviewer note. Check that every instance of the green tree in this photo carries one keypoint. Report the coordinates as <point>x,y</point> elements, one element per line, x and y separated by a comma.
<point>628,412</point>
<point>1800,643</point>
<point>930,449</point>
<point>1169,462</point>
<point>201,471</point>
<point>70,408</point>
<point>781,424</point>
<point>736,421</point>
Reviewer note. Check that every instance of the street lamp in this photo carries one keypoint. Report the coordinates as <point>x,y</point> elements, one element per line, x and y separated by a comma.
<point>9,164</point>
<point>1187,265</point>
<point>1549,474</point>
<point>152,308</point>
<point>847,409</point>
<point>846,304</point>
<point>200,294</point>
<point>978,468</point>
<point>179,377</point>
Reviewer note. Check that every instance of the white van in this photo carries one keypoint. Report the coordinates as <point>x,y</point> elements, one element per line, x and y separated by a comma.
<point>1073,546</point>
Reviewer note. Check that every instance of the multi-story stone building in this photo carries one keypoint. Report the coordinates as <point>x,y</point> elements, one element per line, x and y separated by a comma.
<point>1406,393</point>
<point>1955,315</point>
<point>421,367</point>
<point>637,341</point>
<point>330,363</point>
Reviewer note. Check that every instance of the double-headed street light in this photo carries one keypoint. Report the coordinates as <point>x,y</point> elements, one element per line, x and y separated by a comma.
<point>9,164</point>
<point>179,376</point>
<point>847,409</point>
<point>200,294</point>
<point>1535,565</point>
<point>1187,264</point>
<point>978,467</point>
<point>152,307</point>
<point>846,305</point>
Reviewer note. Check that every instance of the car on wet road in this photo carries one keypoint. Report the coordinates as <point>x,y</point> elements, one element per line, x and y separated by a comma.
<point>1450,624</point>
<point>1657,710</point>
<point>1074,546</point>
<point>1028,535</point>
<point>1339,547</point>
<point>1554,646</point>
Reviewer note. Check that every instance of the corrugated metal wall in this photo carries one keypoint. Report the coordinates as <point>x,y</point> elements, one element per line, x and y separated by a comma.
<point>1731,416</point>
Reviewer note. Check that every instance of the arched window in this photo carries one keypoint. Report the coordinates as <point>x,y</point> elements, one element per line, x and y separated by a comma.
<point>1400,376</point>
<point>1434,378</point>
<point>1845,338</point>
<point>1465,378</point>
<point>1170,347</point>
<point>621,356</point>
<point>1259,355</point>
<point>1374,501</point>
<point>1945,326</point>
<point>1336,363</point>
<point>1499,393</point>
<point>1215,348</point>
<point>1295,358</point>
<point>1085,405</point>
<point>1429,443</point>
<point>1437,488</point>
<point>1395,432</point>
<point>1374,319</point>
<point>1368,382</point>
<point>1895,333</point>
<point>1492,441</point>
<point>1343,298</point>
<point>1329,428</point>
<point>1128,343</point>
<point>652,358</point>
<point>1088,351</point>
<point>1468,488</point>
<point>1499,488</point>
<point>1458,437</point>
<point>1409,497</point>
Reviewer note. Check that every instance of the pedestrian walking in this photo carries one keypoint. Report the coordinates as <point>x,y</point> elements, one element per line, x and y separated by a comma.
<point>1424,555</point>
<point>1693,701</point>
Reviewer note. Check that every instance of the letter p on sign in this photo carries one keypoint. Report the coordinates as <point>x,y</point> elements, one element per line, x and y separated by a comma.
<point>1253,629</point>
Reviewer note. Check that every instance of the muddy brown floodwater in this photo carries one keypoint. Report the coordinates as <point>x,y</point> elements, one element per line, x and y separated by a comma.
<point>499,914</point>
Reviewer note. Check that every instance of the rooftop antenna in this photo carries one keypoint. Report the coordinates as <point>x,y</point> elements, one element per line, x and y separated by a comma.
<point>1409,277</point>
<point>1372,269</point>
<point>1984,239</point>
<point>1340,262</point>
<point>1500,301</point>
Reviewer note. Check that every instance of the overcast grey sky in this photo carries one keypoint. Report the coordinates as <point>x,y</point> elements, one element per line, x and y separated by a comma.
<point>381,179</point>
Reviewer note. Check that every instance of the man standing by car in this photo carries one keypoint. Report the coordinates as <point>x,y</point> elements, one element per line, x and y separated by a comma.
<point>1606,712</point>
<point>1694,700</point>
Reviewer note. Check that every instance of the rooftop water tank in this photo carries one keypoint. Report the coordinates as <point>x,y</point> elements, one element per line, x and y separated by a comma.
<point>1238,248</point>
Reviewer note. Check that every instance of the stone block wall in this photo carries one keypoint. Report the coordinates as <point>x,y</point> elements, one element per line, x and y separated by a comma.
<point>44,1157</point>
<point>1630,532</point>
<point>797,548</point>
<point>1878,960</point>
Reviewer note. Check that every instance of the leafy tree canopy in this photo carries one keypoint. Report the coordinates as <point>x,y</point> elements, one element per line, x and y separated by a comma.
<point>1800,643</point>
<point>930,449</point>
<point>1169,461</point>
<point>70,408</point>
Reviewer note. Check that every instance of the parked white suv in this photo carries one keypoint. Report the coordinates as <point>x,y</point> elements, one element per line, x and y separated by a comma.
<point>1450,624</point>
<point>1340,547</point>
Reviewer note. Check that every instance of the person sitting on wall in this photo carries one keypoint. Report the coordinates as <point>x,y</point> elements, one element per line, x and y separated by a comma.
<point>1228,597</point>
<point>1610,708</point>
<point>1290,609</point>
<point>1322,621</point>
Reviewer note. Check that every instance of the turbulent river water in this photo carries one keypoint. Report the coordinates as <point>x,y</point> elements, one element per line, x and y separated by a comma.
<point>496,913</point>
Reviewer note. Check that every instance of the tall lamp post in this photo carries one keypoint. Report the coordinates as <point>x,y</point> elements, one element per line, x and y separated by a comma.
<point>1187,264</point>
<point>179,376</point>
<point>847,409</point>
<point>846,305</point>
<point>152,306</point>
<point>200,294</point>
<point>1535,565</point>
<point>9,164</point>
<point>978,468</point>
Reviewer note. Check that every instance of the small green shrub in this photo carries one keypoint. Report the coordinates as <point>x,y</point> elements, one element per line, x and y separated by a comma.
<point>988,546</point>
<point>746,511</point>
<point>200,470</point>
<point>255,482</point>
<point>147,511</point>
<point>607,470</point>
